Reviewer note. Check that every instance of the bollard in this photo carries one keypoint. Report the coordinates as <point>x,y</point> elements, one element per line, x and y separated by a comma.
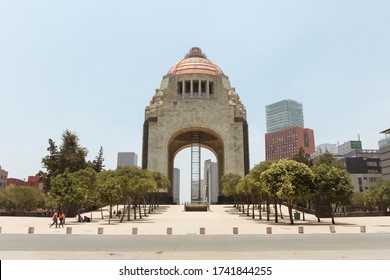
<point>235,230</point>
<point>134,230</point>
<point>30,230</point>
<point>68,230</point>
<point>332,229</point>
<point>100,230</point>
<point>269,230</point>
<point>202,230</point>
<point>362,229</point>
<point>300,229</point>
<point>169,231</point>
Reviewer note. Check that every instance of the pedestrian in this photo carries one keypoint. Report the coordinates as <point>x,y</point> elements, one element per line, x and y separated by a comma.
<point>55,219</point>
<point>62,219</point>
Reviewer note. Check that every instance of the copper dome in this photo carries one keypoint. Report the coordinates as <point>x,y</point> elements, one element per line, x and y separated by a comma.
<point>195,62</point>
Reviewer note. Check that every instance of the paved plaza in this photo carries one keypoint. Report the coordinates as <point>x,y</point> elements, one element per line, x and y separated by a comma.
<point>219,221</point>
<point>228,234</point>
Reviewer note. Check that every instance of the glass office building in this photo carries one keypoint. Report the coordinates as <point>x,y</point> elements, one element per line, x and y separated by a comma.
<point>285,113</point>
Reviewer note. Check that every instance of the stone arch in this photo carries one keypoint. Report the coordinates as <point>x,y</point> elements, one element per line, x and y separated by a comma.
<point>209,139</point>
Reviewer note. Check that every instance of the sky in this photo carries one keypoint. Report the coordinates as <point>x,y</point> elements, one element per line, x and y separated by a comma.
<point>93,66</point>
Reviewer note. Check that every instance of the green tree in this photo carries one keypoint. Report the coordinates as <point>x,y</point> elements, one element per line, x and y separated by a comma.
<point>302,157</point>
<point>254,177</point>
<point>65,191</point>
<point>97,163</point>
<point>84,181</point>
<point>21,198</point>
<point>109,190</point>
<point>70,155</point>
<point>162,184</point>
<point>333,186</point>
<point>288,180</point>
<point>135,183</point>
<point>379,197</point>
<point>229,184</point>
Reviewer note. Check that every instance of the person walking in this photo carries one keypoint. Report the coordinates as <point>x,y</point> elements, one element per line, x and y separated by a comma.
<point>62,219</point>
<point>55,219</point>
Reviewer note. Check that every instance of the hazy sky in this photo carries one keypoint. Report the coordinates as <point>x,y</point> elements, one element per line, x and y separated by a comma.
<point>92,67</point>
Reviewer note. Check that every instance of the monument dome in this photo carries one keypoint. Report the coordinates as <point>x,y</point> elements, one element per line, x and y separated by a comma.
<point>195,62</point>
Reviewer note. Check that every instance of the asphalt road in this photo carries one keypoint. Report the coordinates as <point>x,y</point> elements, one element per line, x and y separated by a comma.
<point>314,246</point>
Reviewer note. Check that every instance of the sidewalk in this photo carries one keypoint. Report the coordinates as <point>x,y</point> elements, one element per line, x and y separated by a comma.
<point>219,221</point>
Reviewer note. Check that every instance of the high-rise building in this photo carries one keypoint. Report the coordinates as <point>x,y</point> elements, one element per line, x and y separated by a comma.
<point>211,181</point>
<point>384,153</point>
<point>286,143</point>
<point>127,159</point>
<point>3,178</point>
<point>285,113</point>
<point>176,185</point>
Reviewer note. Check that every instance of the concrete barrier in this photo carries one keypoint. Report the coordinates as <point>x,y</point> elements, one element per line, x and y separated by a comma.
<point>100,230</point>
<point>362,229</point>
<point>235,230</point>
<point>332,229</point>
<point>30,230</point>
<point>134,231</point>
<point>300,229</point>
<point>202,230</point>
<point>169,231</point>
<point>68,230</point>
<point>269,230</point>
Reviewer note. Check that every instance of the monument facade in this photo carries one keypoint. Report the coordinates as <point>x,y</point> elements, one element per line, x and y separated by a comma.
<point>196,107</point>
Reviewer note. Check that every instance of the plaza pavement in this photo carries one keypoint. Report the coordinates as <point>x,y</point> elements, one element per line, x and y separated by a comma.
<point>219,221</point>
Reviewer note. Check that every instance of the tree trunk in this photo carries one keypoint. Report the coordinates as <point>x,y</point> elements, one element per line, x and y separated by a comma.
<point>253,211</point>
<point>276,210</point>
<point>110,215</point>
<point>281,213</point>
<point>268,208</point>
<point>290,212</point>
<point>124,213</point>
<point>135,211</point>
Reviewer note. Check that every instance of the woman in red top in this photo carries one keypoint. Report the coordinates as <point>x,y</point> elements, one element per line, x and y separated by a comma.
<point>55,219</point>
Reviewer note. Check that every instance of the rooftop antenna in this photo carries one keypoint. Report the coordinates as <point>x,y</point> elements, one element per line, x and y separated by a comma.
<point>359,136</point>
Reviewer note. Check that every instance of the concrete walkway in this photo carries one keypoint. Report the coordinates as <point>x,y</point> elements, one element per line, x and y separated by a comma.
<point>219,221</point>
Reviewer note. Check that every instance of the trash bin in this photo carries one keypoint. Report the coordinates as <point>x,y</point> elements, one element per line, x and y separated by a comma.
<point>297,216</point>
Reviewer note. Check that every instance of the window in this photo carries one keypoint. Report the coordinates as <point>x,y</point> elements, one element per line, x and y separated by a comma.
<point>180,87</point>
<point>195,86</point>
<point>211,87</point>
<point>203,85</point>
<point>187,86</point>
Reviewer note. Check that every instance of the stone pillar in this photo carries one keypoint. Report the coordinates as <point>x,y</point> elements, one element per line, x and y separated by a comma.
<point>300,229</point>
<point>202,230</point>
<point>30,230</point>
<point>68,230</point>
<point>235,230</point>
<point>269,230</point>
<point>100,230</point>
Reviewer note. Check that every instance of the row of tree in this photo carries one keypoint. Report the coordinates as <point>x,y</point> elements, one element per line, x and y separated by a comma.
<point>86,188</point>
<point>325,183</point>
<point>73,182</point>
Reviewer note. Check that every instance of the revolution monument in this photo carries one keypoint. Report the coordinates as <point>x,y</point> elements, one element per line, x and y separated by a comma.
<point>195,107</point>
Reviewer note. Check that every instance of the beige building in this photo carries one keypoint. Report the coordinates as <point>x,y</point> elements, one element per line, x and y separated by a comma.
<point>195,105</point>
